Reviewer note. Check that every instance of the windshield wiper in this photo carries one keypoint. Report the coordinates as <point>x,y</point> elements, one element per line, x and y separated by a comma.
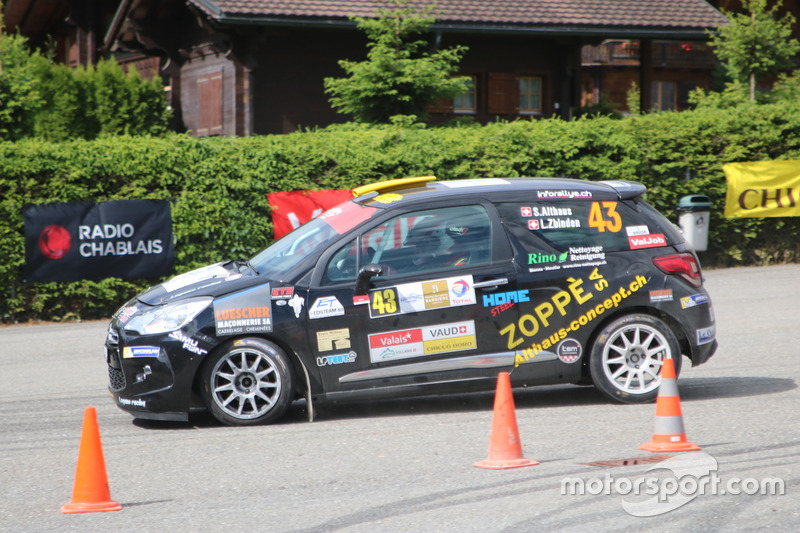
<point>240,263</point>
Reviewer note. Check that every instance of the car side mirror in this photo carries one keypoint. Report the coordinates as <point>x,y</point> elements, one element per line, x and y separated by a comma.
<point>365,276</point>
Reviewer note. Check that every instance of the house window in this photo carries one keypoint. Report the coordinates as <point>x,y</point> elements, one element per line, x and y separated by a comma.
<point>465,102</point>
<point>664,94</point>
<point>530,95</point>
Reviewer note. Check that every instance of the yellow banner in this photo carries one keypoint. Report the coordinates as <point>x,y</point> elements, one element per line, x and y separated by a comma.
<point>763,189</point>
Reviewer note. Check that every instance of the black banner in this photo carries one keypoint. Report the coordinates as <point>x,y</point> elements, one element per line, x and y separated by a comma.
<point>87,240</point>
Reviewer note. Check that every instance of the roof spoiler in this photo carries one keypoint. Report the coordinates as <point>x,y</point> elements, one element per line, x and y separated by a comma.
<point>627,190</point>
<point>391,185</point>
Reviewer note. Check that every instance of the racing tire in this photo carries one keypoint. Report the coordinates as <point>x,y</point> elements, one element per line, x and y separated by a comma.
<point>626,356</point>
<point>247,382</point>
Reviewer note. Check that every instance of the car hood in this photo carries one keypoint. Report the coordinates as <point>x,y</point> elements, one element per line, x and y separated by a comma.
<point>212,280</point>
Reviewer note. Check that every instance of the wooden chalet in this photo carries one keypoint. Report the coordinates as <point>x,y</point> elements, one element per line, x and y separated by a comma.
<point>243,67</point>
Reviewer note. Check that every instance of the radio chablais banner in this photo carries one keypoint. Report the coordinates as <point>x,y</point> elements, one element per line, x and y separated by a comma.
<point>94,240</point>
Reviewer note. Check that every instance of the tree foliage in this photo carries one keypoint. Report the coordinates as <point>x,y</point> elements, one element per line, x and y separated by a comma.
<point>399,77</point>
<point>756,43</point>
<point>85,102</point>
<point>19,98</point>
<point>39,98</point>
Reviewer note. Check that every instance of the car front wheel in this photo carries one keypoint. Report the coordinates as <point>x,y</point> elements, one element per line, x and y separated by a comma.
<point>626,357</point>
<point>248,381</point>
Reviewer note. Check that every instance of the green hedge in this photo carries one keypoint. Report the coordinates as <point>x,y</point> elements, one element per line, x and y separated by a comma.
<point>218,186</point>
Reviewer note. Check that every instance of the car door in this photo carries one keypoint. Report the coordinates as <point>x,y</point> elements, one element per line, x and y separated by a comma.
<point>415,301</point>
<point>576,269</point>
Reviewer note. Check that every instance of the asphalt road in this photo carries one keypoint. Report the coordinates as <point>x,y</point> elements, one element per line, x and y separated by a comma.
<point>408,465</point>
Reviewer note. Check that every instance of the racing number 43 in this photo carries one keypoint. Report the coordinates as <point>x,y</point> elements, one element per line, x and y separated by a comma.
<point>604,216</point>
<point>383,302</point>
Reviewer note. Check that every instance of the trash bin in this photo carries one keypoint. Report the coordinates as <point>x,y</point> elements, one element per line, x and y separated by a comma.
<point>693,216</point>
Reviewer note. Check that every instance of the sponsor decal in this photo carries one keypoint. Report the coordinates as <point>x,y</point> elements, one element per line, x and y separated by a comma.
<point>574,257</point>
<point>333,339</point>
<point>126,313</point>
<point>435,294</point>
<point>706,335</point>
<point>541,259</point>
<point>472,183</point>
<point>296,303</point>
<point>234,277</point>
<point>421,296</point>
<point>569,350</point>
<point>460,289</point>
<point>325,360</point>
<point>244,312</point>
<point>346,216</point>
<point>500,298</point>
<point>189,344</point>
<point>133,402</point>
<point>653,240</point>
<point>501,308</point>
<point>503,301</point>
<point>563,194</point>
<point>586,253</point>
<point>194,276</point>
<point>361,299</point>
<point>532,325</point>
<point>140,351</point>
<point>387,198</point>
<point>693,300</point>
<point>637,231</point>
<point>663,295</point>
<point>419,342</point>
<point>326,306</point>
<point>282,293</point>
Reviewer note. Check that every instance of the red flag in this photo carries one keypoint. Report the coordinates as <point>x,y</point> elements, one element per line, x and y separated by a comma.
<point>291,209</point>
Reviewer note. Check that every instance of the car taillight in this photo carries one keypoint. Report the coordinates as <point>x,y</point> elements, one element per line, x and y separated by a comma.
<point>683,265</point>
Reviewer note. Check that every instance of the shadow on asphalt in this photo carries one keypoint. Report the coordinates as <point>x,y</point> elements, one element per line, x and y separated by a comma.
<point>731,387</point>
<point>690,389</point>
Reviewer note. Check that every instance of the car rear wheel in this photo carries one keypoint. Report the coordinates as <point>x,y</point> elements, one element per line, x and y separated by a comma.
<point>249,381</point>
<point>625,361</point>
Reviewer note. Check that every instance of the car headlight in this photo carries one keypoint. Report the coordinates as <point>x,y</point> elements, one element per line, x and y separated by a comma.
<point>167,318</point>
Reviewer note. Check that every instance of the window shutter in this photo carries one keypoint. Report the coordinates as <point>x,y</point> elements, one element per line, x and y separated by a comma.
<point>503,93</point>
<point>209,99</point>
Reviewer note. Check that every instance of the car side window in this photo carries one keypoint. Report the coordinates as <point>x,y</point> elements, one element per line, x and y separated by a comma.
<point>419,241</point>
<point>343,265</point>
<point>575,231</point>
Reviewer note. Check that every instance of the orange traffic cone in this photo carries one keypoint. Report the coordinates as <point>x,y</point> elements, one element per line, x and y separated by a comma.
<point>505,448</point>
<point>669,435</point>
<point>90,493</point>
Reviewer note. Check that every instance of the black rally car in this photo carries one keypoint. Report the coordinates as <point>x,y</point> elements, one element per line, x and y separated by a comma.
<point>418,286</point>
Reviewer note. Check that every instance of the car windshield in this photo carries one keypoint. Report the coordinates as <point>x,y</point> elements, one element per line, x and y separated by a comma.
<point>310,239</point>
